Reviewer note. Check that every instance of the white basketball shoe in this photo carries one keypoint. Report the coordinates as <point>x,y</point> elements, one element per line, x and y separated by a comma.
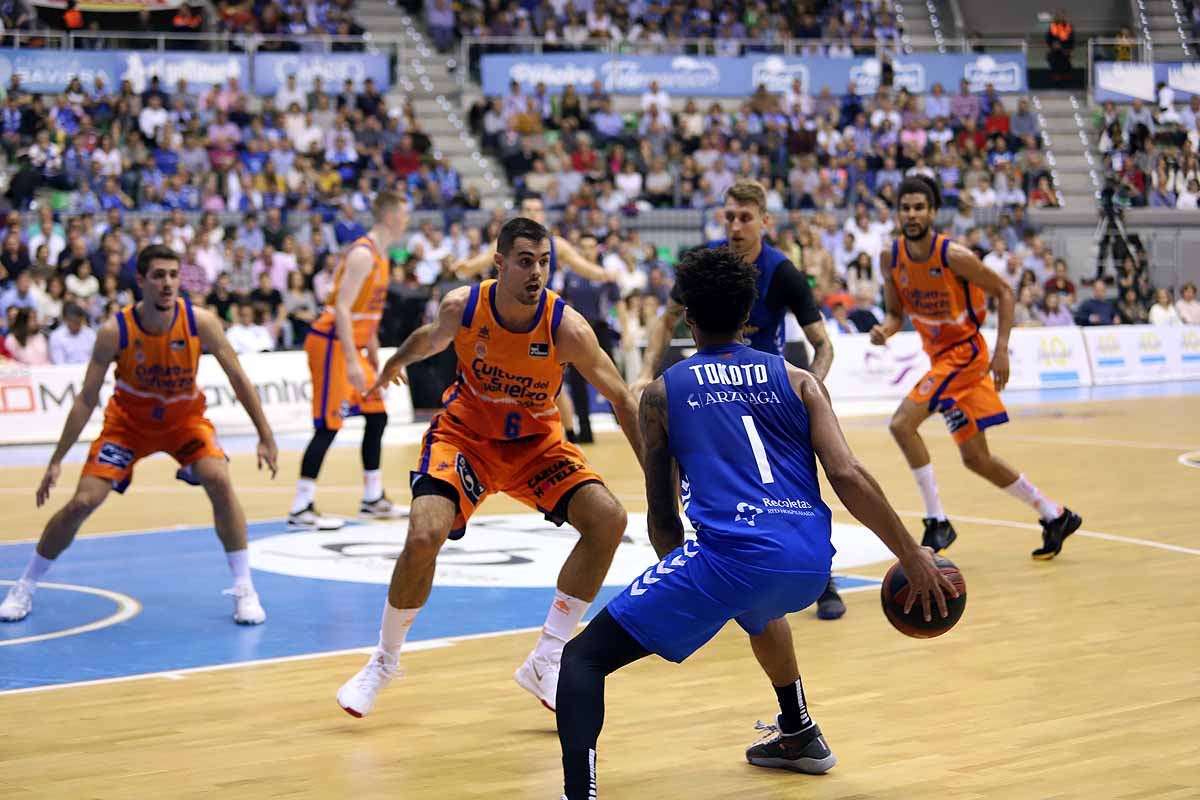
<point>308,519</point>
<point>247,610</point>
<point>357,695</point>
<point>539,676</point>
<point>18,603</point>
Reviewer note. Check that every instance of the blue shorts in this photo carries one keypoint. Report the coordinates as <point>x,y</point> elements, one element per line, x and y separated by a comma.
<point>677,605</point>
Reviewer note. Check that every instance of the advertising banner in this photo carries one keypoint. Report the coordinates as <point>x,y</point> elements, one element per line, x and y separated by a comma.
<point>1122,82</point>
<point>52,70</point>
<point>1143,353</point>
<point>687,76</point>
<point>34,402</point>
<point>113,5</point>
<point>271,70</point>
<point>1045,358</point>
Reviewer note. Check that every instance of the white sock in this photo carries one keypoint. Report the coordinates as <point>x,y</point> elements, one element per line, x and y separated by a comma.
<point>927,483</point>
<point>306,492</point>
<point>394,628</point>
<point>1026,492</point>
<point>239,565</point>
<point>561,622</point>
<point>36,568</point>
<point>372,485</point>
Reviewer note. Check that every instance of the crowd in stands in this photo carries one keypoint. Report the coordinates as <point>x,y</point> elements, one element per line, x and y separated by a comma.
<point>280,21</point>
<point>1151,150</point>
<point>823,152</point>
<point>836,28</point>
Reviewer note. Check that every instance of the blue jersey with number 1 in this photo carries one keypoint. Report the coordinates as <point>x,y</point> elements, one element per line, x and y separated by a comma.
<point>749,477</point>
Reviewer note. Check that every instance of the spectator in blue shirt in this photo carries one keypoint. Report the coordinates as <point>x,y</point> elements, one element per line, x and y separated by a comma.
<point>1098,309</point>
<point>347,228</point>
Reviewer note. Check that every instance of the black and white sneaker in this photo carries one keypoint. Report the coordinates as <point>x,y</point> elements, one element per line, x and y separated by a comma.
<point>309,520</point>
<point>939,534</point>
<point>1055,532</point>
<point>379,509</point>
<point>803,751</point>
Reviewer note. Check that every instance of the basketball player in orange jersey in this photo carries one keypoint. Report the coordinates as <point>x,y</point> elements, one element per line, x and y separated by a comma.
<point>534,208</point>
<point>155,407</point>
<point>500,432</point>
<point>341,372</point>
<point>943,287</point>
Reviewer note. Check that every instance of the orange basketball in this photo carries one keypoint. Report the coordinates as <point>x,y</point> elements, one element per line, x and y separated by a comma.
<point>894,593</point>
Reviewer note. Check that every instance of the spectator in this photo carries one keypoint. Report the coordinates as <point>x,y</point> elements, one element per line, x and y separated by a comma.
<point>1056,313</point>
<point>1060,39</point>
<point>72,342</point>
<point>82,283</point>
<point>1060,282</point>
<point>21,294</point>
<point>1131,309</point>
<point>866,314</point>
<point>1163,312</point>
<point>249,334</point>
<point>440,18</point>
<point>1097,310</point>
<point>1187,305</point>
<point>25,343</point>
<point>300,307</point>
<point>1025,314</point>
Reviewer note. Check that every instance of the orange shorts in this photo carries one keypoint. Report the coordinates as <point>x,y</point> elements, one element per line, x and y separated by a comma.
<point>539,471</point>
<point>333,397</point>
<point>120,445</point>
<point>960,386</point>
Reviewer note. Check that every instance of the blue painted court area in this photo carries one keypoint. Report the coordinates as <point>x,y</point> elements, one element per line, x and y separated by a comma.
<point>184,622</point>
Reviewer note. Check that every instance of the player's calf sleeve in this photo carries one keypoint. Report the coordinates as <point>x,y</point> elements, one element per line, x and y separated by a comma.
<point>314,454</point>
<point>602,648</point>
<point>372,441</point>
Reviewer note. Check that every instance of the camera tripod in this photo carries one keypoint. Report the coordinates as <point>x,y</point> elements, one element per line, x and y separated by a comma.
<point>1104,239</point>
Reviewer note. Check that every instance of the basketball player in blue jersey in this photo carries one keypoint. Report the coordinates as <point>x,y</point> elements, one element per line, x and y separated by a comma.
<point>737,432</point>
<point>781,288</point>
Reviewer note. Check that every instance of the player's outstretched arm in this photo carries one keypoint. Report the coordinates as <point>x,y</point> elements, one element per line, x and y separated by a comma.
<point>212,337</point>
<point>893,311</point>
<point>659,340</point>
<point>577,345</point>
<point>662,475</point>
<point>573,260</point>
<point>965,264</point>
<point>427,340</point>
<point>863,498</point>
<point>104,352</point>
<point>477,264</point>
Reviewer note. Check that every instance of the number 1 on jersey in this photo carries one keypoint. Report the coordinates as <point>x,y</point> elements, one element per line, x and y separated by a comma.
<point>760,452</point>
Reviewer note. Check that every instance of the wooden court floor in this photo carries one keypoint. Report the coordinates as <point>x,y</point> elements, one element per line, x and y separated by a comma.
<point>1077,678</point>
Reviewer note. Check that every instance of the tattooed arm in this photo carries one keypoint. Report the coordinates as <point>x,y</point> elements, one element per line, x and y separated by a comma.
<point>662,475</point>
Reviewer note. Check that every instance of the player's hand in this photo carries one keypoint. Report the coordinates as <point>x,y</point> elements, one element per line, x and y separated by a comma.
<point>48,482</point>
<point>878,335</point>
<point>638,386</point>
<point>357,378</point>
<point>268,454</point>
<point>1000,369</point>
<point>393,372</point>
<point>925,580</point>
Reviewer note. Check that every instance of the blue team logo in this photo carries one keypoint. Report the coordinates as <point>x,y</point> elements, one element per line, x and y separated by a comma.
<point>747,513</point>
<point>113,455</point>
<point>692,402</point>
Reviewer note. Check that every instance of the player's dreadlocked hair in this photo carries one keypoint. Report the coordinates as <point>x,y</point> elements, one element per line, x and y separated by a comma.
<point>718,289</point>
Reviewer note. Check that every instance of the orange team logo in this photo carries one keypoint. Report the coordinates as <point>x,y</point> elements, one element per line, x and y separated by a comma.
<point>904,278</point>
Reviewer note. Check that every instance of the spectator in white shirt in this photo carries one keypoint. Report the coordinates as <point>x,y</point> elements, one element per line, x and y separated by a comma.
<point>46,235</point>
<point>997,259</point>
<point>1162,312</point>
<point>983,195</point>
<point>655,96</point>
<point>248,335</point>
<point>1187,305</point>
<point>937,104</point>
<point>291,93</point>
<point>152,118</point>
<point>845,252</point>
<point>72,342</point>
<point>83,284</point>
<point>796,96</point>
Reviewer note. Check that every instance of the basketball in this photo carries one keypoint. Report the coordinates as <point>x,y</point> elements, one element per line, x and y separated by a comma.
<point>894,593</point>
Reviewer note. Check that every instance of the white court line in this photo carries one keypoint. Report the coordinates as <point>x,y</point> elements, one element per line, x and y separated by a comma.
<point>127,608</point>
<point>180,674</point>
<point>452,640</point>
